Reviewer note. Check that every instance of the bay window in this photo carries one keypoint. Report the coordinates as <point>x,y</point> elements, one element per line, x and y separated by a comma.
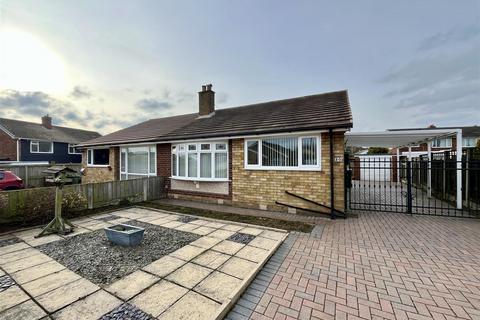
<point>283,153</point>
<point>138,162</point>
<point>200,161</point>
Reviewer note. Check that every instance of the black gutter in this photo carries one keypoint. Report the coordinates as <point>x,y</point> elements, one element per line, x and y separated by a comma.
<point>332,188</point>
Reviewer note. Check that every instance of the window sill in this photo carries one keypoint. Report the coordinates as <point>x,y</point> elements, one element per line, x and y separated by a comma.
<point>98,165</point>
<point>199,179</point>
<point>284,168</point>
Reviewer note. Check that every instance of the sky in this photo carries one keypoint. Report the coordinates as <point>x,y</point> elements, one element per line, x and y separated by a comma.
<point>104,65</point>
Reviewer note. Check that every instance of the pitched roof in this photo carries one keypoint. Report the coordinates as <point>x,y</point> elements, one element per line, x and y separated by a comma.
<point>315,112</point>
<point>467,131</point>
<point>31,130</point>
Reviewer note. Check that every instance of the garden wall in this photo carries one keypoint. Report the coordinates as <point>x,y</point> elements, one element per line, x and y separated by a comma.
<point>37,205</point>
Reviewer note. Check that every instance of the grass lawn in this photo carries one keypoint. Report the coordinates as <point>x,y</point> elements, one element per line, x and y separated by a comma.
<point>261,221</point>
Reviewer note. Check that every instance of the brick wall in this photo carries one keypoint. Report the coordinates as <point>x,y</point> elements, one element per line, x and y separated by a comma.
<point>101,174</point>
<point>261,188</point>
<point>8,147</point>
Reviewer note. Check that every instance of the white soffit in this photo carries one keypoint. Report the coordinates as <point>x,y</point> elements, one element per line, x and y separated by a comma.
<point>392,139</point>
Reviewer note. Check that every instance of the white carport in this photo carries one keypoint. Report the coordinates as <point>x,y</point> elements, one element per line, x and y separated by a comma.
<point>409,138</point>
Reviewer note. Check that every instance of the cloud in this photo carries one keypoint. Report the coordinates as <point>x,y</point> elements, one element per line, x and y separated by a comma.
<point>80,92</point>
<point>30,102</point>
<point>441,86</point>
<point>152,105</point>
<point>452,36</point>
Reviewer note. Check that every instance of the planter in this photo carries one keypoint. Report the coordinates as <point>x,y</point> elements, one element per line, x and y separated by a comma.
<point>124,234</point>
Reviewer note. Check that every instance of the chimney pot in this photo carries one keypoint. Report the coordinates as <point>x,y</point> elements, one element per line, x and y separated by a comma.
<point>47,121</point>
<point>206,100</point>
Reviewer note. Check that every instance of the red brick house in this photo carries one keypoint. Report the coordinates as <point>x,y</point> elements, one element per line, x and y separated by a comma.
<point>247,156</point>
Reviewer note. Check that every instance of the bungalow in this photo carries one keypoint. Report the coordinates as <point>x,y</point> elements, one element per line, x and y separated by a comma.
<point>253,156</point>
<point>22,141</point>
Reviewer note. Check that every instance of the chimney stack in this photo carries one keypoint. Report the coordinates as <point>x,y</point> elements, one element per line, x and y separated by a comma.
<point>47,121</point>
<point>206,100</point>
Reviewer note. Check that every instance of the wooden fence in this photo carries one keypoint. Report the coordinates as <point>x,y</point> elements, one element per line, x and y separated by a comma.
<point>37,203</point>
<point>32,174</point>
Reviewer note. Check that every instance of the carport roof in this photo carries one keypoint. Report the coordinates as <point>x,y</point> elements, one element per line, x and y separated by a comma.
<point>392,139</point>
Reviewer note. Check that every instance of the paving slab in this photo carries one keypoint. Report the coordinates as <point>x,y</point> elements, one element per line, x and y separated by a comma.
<point>90,308</point>
<point>203,230</point>
<point>172,224</point>
<point>187,227</point>
<point>29,237</point>
<point>232,227</point>
<point>252,231</point>
<point>214,224</point>
<point>211,259</point>
<point>192,306</point>
<point>37,271</point>
<point>17,255</point>
<point>159,297</point>
<point>12,297</point>
<point>132,284</point>
<point>228,247</point>
<point>218,286</point>
<point>187,252</point>
<point>65,295</point>
<point>189,275</point>
<point>252,253</point>
<point>50,282</point>
<point>13,248</point>
<point>25,263</point>
<point>274,235</point>
<point>239,268</point>
<point>164,266</point>
<point>27,310</point>
<point>263,243</point>
<point>221,234</point>
<point>206,242</point>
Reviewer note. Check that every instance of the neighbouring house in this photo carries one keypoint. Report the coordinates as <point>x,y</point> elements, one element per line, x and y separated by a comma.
<point>247,156</point>
<point>470,137</point>
<point>22,141</point>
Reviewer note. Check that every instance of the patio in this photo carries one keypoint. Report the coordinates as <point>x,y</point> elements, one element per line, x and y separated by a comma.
<point>194,268</point>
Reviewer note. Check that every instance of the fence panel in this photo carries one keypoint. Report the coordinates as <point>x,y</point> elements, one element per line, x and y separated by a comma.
<point>38,203</point>
<point>32,174</point>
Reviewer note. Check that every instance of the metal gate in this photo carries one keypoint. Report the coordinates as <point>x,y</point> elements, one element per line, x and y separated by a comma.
<point>416,186</point>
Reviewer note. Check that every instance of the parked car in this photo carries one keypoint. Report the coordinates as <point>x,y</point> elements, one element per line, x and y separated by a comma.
<point>9,181</point>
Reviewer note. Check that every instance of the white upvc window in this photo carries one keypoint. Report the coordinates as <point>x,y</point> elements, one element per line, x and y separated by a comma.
<point>202,161</point>
<point>283,153</point>
<point>469,142</point>
<point>41,146</point>
<point>138,162</point>
<point>72,149</point>
<point>98,157</point>
<point>442,143</point>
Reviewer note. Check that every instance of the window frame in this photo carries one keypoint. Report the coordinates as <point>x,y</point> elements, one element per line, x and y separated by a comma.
<point>176,149</point>
<point>299,167</point>
<point>37,142</point>
<point>126,173</point>
<point>442,147</point>
<point>71,145</point>
<point>468,146</point>
<point>92,165</point>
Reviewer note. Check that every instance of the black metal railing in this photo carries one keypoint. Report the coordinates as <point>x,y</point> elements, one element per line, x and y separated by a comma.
<point>417,186</point>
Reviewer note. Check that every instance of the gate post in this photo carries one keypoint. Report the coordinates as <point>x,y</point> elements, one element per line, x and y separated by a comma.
<point>409,187</point>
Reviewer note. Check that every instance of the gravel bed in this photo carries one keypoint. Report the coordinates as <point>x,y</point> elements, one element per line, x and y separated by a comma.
<point>241,238</point>
<point>6,282</point>
<point>93,257</point>
<point>9,241</point>
<point>186,219</point>
<point>126,312</point>
<point>107,218</point>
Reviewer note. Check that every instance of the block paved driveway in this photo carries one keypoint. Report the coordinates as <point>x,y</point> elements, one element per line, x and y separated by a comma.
<point>376,266</point>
